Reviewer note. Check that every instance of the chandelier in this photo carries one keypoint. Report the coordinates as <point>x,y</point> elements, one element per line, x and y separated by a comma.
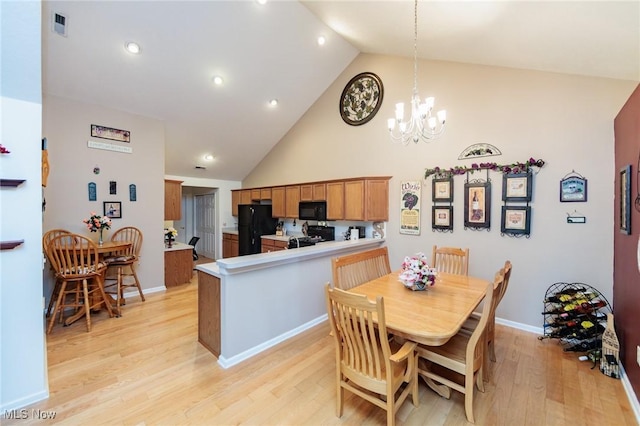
<point>422,124</point>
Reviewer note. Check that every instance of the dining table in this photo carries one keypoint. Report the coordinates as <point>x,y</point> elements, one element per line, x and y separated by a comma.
<point>431,316</point>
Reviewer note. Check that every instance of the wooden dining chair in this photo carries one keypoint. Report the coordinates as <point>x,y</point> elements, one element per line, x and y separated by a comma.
<point>357,268</point>
<point>46,239</point>
<point>472,322</point>
<point>462,354</point>
<point>77,266</point>
<point>122,264</point>
<point>367,363</point>
<point>451,260</point>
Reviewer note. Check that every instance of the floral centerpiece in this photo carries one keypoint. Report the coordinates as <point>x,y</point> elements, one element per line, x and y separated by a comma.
<point>170,235</point>
<point>97,223</point>
<point>416,273</point>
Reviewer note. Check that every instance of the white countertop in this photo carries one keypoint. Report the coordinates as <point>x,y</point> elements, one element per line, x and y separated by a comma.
<point>276,237</point>
<point>235,265</point>
<point>230,231</point>
<point>178,246</point>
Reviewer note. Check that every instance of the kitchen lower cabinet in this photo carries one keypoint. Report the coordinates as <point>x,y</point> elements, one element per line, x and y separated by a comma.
<point>269,245</point>
<point>178,266</point>
<point>230,245</point>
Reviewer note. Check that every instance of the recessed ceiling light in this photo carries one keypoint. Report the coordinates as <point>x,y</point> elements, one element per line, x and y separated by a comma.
<point>273,102</point>
<point>261,1</point>
<point>321,41</point>
<point>132,47</point>
<point>208,157</point>
<point>217,80</point>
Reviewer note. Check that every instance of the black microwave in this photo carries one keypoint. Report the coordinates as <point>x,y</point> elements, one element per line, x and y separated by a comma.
<point>312,210</point>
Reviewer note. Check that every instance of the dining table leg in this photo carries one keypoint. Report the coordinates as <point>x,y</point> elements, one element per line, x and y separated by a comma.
<point>442,390</point>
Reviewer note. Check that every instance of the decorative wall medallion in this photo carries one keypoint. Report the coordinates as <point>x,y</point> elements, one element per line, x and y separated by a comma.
<point>479,150</point>
<point>361,98</point>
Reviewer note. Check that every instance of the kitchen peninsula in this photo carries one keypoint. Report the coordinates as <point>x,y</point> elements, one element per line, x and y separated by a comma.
<point>178,264</point>
<point>247,304</point>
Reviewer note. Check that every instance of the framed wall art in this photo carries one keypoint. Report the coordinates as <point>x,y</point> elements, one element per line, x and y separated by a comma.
<point>442,218</point>
<point>109,133</point>
<point>516,220</point>
<point>112,209</point>
<point>442,190</point>
<point>361,99</point>
<point>410,207</point>
<point>477,205</point>
<point>625,200</point>
<point>573,188</point>
<point>516,186</point>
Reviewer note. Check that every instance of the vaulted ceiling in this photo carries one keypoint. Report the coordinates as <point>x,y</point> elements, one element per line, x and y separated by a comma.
<point>269,51</point>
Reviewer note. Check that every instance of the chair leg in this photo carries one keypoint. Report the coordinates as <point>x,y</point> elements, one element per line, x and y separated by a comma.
<point>339,393</point>
<point>54,296</point>
<point>87,305</point>
<point>414,392</point>
<point>119,292</point>
<point>468,398</point>
<point>135,276</point>
<point>52,320</point>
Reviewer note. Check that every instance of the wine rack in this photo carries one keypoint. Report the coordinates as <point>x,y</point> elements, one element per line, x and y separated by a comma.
<point>576,314</point>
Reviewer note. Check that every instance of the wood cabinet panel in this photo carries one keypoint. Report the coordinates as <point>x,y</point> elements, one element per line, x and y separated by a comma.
<point>278,207</point>
<point>245,196</point>
<point>235,200</point>
<point>255,195</point>
<point>265,193</point>
<point>377,200</point>
<point>335,200</point>
<point>306,192</point>
<point>269,245</point>
<point>319,192</point>
<point>178,267</point>
<point>354,200</point>
<point>230,246</point>
<point>292,200</point>
<point>209,330</point>
<point>172,199</point>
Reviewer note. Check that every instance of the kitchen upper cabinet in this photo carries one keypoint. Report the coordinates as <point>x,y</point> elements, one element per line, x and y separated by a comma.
<point>377,200</point>
<point>235,200</point>
<point>245,196</point>
<point>265,193</point>
<point>255,195</point>
<point>313,192</point>
<point>354,200</point>
<point>278,207</point>
<point>292,201</point>
<point>172,199</point>
<point>335,201</point>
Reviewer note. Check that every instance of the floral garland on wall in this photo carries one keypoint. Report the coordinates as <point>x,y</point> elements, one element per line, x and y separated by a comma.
<point>504,168</point>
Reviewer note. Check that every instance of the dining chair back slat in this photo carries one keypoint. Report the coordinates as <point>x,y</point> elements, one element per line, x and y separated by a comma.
<point>357,268</point>
<point>452,260</point>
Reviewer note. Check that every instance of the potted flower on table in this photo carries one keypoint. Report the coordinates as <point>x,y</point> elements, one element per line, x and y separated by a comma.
<point>97,223</point>
<point>416,273</point>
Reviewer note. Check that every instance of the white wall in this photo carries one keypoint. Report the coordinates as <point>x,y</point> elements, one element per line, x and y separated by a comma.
<point>23,370</point>
<point>565,120</point>
<point>66,125</point>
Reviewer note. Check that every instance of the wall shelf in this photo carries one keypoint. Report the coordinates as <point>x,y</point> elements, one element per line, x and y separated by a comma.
<point>12,183</point>
<point>10,245</point>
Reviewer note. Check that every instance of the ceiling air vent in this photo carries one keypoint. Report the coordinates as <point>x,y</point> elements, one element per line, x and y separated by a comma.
<point>201,168</point>
<point>59,24</point>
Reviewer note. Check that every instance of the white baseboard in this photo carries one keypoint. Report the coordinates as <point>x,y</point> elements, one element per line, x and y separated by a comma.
<point>228,362</point>
<point>23,402</point>
<point>633,399</point>
<point>145,291</point>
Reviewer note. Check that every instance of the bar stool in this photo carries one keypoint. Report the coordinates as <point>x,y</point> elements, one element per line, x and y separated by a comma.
<point>123,262</point>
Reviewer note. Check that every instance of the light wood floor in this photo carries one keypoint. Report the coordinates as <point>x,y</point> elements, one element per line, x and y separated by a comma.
<point>147,368</point>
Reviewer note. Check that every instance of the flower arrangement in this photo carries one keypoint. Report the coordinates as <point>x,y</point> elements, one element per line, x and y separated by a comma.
<point>97,223</point>
<point>170,233</point>
<point>416,273</point>
<point>504,168</point>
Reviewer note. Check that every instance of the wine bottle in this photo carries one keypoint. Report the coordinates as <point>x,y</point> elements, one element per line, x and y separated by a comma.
<point>571,290</point>
<point>565,298</point>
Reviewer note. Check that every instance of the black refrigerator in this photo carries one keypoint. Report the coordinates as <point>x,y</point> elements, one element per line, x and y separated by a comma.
<point>254,220</point>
